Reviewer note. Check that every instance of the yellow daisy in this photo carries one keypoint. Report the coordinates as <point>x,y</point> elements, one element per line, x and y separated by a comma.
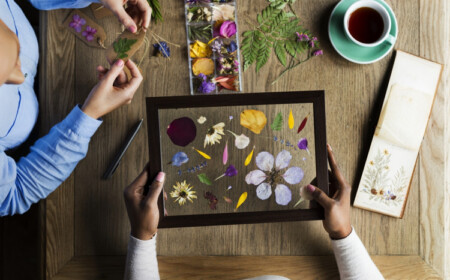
<point>182,193</point>
<point>214,134</point>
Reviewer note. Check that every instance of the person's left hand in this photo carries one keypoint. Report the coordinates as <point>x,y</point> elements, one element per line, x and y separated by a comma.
<point>143,209</point>
<point>138,12</point>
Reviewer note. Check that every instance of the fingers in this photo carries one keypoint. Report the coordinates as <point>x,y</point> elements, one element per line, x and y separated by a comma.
<point>137,184</point>
<point>156,188</point>
<point>136,76</point>
<point>146,12</point>
<point>320,196</point>
<point>342,182</point>
<point>114,72</point>
<point>124,18</point>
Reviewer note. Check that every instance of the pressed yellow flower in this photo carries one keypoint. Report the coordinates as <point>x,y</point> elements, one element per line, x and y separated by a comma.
<point>386,152</point>
<point>371,162</point>
<point>183,192</point>
<point>203,65</point>
<point>199,49</point>
<point>254,120</point>
<point>214,134</point>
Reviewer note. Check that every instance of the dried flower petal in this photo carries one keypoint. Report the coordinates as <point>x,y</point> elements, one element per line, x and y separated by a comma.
<point>303,144</point>
<point>264,191</point>
<point>264,161</point>
<point>255,177</point>
<point>293,175</point>
<point>223,12</point>
<point>283,195</point>
<point>203,66</point>
<point>227,200</point>
<point>241,200</point>
<point>283,159</point>
<point>225,154</point>
<point>198,49</point>
<point>201,120</point>
<point>254,120</point>
<point>249,157</point>
<point>182,131</point>
<point>179,159</point>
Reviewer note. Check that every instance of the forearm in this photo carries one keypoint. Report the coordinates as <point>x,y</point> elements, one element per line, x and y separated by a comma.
<point>353,260</point>
<point>141,260</point>
<point>50,161</point>
<point>61,4</point>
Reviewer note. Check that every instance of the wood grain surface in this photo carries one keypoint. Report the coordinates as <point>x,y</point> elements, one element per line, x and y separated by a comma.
<point>237,268</point>
<point>93,220</point>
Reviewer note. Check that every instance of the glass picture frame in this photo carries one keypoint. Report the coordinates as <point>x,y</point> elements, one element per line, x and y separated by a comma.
<point>238,159</point>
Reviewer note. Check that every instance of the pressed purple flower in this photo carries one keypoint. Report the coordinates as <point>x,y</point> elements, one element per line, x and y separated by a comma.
<point>230,172</point>
<point>311,44</point>
<point>77,22</point>
<point>303,144</point>
<point>302,36</point>
<point>206,86</point>
<point>232,47</point>
<point>317,52</point>
<point>89,33</point>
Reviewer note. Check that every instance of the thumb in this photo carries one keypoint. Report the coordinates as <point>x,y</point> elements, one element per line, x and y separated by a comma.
<point>124,17</point>
<point>115,71</point>
<point>320,196</point>
<point>156,188</point>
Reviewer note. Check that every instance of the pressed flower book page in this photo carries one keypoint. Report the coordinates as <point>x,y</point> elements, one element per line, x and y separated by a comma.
<point>237,158</point>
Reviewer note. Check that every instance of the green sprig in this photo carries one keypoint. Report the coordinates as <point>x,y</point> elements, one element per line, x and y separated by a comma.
<point>156,10</point>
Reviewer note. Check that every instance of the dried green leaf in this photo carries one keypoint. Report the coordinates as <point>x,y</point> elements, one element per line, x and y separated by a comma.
<point>277,123</point>
<point>204,179</point>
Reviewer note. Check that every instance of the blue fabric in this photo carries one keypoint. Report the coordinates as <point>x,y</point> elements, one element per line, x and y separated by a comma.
<point>53,157</point>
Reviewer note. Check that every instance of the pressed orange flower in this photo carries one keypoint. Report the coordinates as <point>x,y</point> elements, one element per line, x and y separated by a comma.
<point>203,66</point>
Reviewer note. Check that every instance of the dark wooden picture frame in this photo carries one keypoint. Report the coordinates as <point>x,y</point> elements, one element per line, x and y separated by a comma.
<point>317,98</point>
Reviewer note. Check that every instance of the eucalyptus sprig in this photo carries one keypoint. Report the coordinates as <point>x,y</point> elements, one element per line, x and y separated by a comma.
<point>281,32</point>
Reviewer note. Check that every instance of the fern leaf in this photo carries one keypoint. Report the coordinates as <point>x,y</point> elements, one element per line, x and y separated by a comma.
<point>280,52</point>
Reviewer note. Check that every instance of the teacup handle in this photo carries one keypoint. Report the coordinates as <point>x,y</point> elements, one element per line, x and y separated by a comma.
<point>390,39</point>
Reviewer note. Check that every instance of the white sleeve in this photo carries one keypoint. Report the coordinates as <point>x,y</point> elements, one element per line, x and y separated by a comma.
<point>353,260</point>
<point>141,260</point>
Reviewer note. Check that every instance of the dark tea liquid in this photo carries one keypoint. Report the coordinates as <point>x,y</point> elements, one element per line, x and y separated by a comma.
<point>366,25</point>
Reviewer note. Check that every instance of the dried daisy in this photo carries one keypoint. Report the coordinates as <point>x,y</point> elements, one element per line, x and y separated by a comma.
<point>183,192</point>
<point>213,135</point>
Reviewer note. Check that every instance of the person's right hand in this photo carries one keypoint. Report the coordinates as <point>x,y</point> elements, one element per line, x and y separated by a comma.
<point>112,91</point>
<point>337,209</point>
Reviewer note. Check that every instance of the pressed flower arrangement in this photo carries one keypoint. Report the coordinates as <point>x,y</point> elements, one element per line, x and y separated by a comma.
<point>223,159</point>
<point>213,46</point>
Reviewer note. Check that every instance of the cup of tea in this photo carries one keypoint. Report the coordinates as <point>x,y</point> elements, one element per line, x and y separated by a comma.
<point>367,23</point>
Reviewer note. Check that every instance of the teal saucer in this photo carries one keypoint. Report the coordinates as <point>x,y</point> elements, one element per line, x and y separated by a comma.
<point>347,48</point>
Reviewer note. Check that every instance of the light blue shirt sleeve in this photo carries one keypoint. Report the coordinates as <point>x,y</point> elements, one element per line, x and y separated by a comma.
<point>61,4</point>
<point>50,161</point>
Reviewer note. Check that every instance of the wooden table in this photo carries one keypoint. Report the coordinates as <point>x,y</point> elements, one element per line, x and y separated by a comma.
<point>85,219</point>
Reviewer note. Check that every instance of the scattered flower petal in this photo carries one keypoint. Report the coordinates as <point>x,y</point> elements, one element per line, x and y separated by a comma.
<point>212,200</point>
<point>182,131</point>
<point>179,159</point>
<point>241,200</point>
<point>201,120</point>
<point>227,200</point>
<point>303,144</point>
<point>249,157</point>
<point>254,120</point>
<point>291,120</point>
<point>264,161</point>
<point>255,177</point>
<point>283,194</point>
<point>264,191</point>
<point>293,175</point>
<point>202,154</point>
<point>283,159</point>
<point>225,154</point>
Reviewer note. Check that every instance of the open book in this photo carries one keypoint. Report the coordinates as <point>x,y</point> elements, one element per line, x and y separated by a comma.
<point>390,164</point>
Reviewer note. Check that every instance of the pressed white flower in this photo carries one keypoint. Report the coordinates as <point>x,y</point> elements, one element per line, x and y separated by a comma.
<point>223,12</point>
<point>183,192</point>
<point>213,135</point>
<point>201,120</point>
<point>189,16</point>
<point>241,141</point>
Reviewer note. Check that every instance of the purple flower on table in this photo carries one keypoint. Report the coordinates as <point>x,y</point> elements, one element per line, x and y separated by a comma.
<point>302,37</point>
<point>89,33</point>
<point>317,52</point>
<point>269,175</point>
<point>206,86</point>
<point>311,44</point>
<point>77,22</point>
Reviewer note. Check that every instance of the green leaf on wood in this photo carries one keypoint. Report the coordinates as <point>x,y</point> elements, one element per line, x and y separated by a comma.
<point>280,52</point>
<point>277,123</point>
<point>204,179</point>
